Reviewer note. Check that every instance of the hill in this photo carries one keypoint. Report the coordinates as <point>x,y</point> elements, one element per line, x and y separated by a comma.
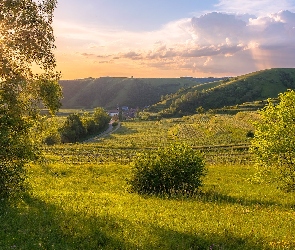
<point>108,92</point>
<point>256,86</point>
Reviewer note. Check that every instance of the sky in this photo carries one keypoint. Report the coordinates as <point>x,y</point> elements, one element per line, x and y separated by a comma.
<point>173,38</point>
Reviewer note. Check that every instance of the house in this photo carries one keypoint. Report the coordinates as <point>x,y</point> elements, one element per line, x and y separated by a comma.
<point>113,113</point>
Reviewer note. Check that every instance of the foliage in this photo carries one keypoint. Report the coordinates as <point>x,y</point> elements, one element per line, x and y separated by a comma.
<point>26,40</point>
<point>50,129</point>
<point>52,139</point>
<point>88,123</point>
<point>250,134</point>
<point>274,141</point>
<point>200,110</point>
<point>77,127</point>
<point>101,118</point>
<point>170,170</point>
<point>114,124</point>
<point>73,129</point>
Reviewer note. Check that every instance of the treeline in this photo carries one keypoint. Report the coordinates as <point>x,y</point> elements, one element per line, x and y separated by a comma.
<point>225,95</point>
<point>109,92</point>
<point>77,127</point>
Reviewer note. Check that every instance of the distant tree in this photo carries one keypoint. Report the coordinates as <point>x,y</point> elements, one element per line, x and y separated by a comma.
<point>274,139</point>
<point>211,111</point>
<point>26,40</point>
<point>88,123</point>
<point>200,110</point>
<point>73,129</point>
<point>101,118</point>
<point>77,127</point>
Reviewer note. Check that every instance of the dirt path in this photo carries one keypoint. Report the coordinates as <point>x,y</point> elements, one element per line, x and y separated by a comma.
<point>108,131</point>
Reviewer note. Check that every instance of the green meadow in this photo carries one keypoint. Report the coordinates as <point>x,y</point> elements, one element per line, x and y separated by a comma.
<point>79,196</point>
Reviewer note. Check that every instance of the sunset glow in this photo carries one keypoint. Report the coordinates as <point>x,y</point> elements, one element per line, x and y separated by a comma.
<point>173,38</point>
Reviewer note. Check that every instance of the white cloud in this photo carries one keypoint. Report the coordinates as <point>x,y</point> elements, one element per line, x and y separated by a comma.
<point>214,41</point>
<point>217,28</point>
<point>262,42</point>
<point>257,7</point>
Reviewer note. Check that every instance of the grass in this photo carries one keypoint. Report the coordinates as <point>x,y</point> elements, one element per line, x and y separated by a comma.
<point>89,207</point>
<point>79,199</point>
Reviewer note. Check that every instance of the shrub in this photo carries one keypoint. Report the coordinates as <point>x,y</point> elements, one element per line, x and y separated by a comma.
<point>52,139</point>
<point>175,169</point>
<point>89,125</point>
<point>114,124</point>
<point>250,134</point>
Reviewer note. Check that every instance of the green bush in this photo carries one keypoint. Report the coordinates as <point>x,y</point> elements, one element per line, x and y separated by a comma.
<point>114,124</point>
<point>250,134</point>
<point>52,139</point>
<point>175,169</point>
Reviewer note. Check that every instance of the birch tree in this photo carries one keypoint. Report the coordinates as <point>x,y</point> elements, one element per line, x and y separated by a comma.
<point>26,47</point>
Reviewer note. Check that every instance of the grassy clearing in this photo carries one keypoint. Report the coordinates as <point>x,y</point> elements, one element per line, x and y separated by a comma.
<point>79,199</point>
<point>89,207</point>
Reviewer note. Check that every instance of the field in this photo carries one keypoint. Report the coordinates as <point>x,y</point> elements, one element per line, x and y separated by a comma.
<point>79,196</point>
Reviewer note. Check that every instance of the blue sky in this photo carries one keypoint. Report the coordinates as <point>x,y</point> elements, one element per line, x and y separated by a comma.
<point>170,38</point>
<point>132,15</point>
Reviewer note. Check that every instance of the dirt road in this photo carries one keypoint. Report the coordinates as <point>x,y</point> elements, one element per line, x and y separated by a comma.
<point>108,131</point>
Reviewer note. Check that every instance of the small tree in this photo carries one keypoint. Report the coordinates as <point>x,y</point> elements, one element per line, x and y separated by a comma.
<point>171,170</point>
<point>101,118</point>
<point>274,140</point>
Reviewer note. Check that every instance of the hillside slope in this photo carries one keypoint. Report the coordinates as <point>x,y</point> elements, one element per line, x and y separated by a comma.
<point>256,86</point>
<point>109,92</point>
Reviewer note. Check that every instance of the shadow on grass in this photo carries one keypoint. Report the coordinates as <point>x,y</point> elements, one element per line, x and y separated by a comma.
<point>226,240</point>
<point>37,225</point>
<point>214,196</point>
<point>33,224</point>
